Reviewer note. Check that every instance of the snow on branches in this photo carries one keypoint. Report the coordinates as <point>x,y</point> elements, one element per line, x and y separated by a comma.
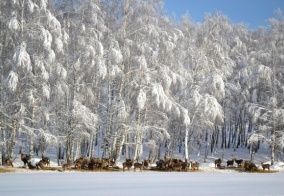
<point>255,137</point>
<point>213,110</point>
<point>141,99</point>
<point>216,86</point>
<point>12,81</point>
<point>141,61</point>
<point>30,6</point>
<point>84,116</point>
<point>186,119</point>
<point>45,37</point>
<point>14,24</point>
<point>115,56</point>
<point>101,68</point>
<point>22,58</point>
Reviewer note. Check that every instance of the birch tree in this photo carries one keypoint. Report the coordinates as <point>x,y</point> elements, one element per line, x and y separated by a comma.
<point>32,58</point>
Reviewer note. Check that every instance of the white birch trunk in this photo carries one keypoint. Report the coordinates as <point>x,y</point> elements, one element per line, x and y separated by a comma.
<point>186,144</point>
<point>136,147</point>
<point>77,149</point>
<point>31,150</point>
<point>273,118</point>
<point>13,139</point>
<point>122,140</point>
<point>113,149</point>
<point>90,145</point>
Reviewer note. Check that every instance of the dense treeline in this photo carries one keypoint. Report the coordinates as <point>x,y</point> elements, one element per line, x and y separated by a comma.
<point>112,78</point>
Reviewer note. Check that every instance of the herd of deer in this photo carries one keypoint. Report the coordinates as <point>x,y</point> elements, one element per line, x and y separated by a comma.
<point>176,165</point>
<point>45,161</point>
<point>169,164</point>
<point>91,164</point>
<point>247,165</point>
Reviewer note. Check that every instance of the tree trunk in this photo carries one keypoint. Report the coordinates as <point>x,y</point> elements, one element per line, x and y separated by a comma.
<point>206,151</point>
<point>32,149</point>
<point>273,132</point>
<point>273,148</point>
<point>122,141</point>
<point>92,144</point>
<point>186,143</point>
<point>151,148</point>
<point>138,137</point>
<point>13,139</point>
<point>230,133</point>
<point>251,152</point>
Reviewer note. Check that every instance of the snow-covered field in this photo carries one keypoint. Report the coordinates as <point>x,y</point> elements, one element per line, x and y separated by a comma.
<point>140,183</point>
<point>207,181</point>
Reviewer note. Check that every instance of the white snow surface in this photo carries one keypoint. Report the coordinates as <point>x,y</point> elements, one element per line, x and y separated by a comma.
<point>207,181</point>
<point>140,183</point>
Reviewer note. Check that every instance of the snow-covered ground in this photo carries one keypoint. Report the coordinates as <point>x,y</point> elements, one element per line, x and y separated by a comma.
<point>207,181</point>
<point>140,183</point>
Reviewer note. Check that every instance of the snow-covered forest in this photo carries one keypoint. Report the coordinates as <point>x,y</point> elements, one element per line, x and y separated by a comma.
<point>121,79</point>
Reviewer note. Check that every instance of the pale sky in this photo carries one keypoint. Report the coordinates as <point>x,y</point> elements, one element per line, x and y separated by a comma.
<point>253,13</point>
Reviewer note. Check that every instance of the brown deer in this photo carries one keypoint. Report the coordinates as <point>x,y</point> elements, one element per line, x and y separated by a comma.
<point>25,158</point>
<point>175,167</point>
<point>111,163</point>
<point>97,163</point>
<point>218,162</point>
<point>230,162</point>
<point>41,164</point>
<point>249,166</point>
<point>265,166</point>
<point>78,165</point>
<point>46,160</point>
<point>239,162</point>
<point>194,165</point>
<point>85,164</point>
<point>139,165</point>
<point>66,165</point>
<point>185,166</point>
<point>162,165</point>
<point>9,163</point>
<point>78,162</point>
<point>127,164</point>
<point>30,165</point>
<point>106,162</point>
<point>147,163</point>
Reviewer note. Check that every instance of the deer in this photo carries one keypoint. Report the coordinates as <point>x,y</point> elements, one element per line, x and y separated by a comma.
<point>249,166</point>
<point>139,165</point>
<point>85,164</point>
<point>162,165</point>
<point>147,163</point>
<point>185,165</point>
<point>239,162</point>
<point>175,167</point>
<point>78,165</point>
<point>230,162</point>
<point>9,163</point>
<point>127,164</point>
<point>66,165</point>
<point>46,160</point>
<point>41,164</point>
<point>218,162</point>
<point>25,158</point>
<point>194,165</point>
<point>106,161</point>
<point>78,162</point>
<point>111,163</point>
<point>265,166</point>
